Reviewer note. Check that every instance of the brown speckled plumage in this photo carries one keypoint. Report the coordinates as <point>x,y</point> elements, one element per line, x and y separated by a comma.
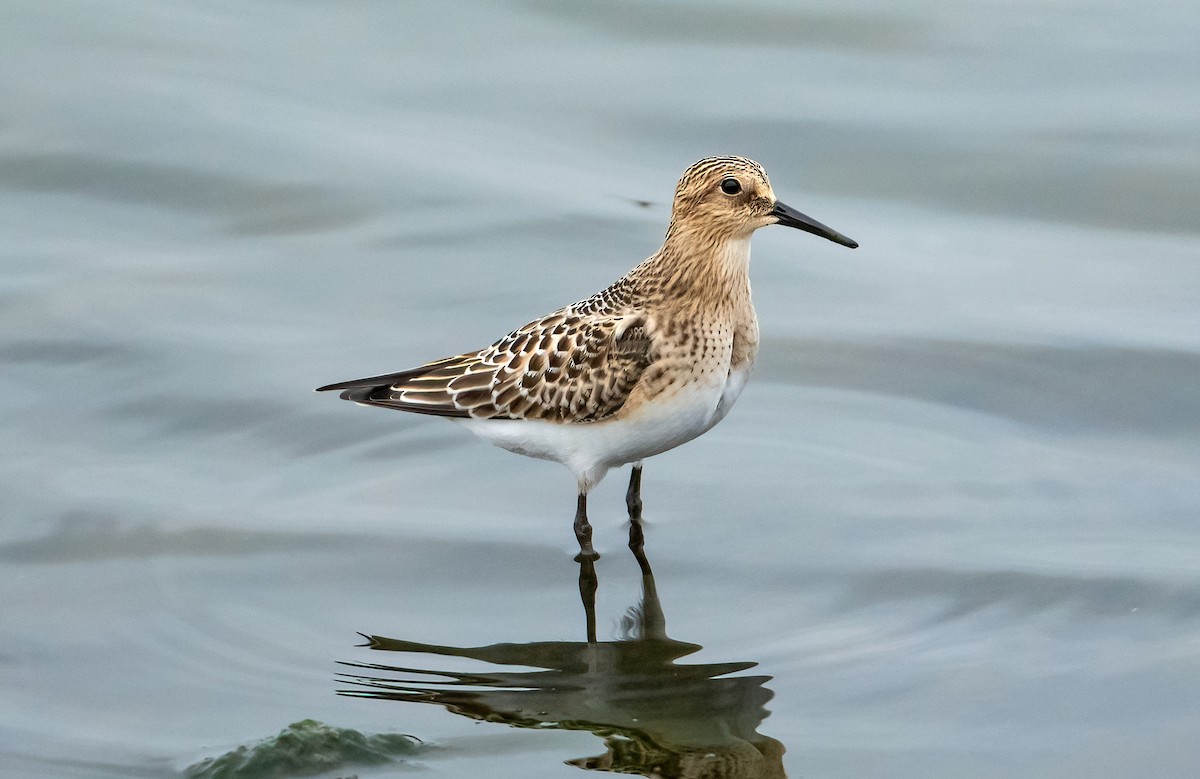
<point>686,308</point>
<point>649,362</point>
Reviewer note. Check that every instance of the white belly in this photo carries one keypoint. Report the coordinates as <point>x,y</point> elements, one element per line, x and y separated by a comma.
<point>589,449</point>
<point>733,388</point>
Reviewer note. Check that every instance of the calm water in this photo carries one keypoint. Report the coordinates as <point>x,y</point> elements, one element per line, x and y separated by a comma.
<point>951,530</point>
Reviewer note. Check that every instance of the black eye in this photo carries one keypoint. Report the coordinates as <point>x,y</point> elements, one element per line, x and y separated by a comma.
<point>731,186</point>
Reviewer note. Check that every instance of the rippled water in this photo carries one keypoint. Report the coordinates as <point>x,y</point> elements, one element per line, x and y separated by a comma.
<point>950,530</point>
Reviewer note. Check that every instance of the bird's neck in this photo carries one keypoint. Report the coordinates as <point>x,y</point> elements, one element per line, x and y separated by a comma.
<point>693,264</point>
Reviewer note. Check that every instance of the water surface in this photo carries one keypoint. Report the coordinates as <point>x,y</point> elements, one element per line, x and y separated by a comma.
<point>950,529</point>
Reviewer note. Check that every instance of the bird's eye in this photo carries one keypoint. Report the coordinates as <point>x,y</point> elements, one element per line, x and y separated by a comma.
<point>731,186</point>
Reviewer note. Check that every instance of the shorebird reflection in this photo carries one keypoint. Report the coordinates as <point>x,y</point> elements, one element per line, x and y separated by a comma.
<point>657,718</point>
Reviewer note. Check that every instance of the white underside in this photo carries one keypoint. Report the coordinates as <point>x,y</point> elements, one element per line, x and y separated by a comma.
<point>590,449</point>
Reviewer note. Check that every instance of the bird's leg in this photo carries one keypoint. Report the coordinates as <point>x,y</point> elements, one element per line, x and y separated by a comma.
<point>583,531</point>
<point>633,501</point>
<point>633,495</point>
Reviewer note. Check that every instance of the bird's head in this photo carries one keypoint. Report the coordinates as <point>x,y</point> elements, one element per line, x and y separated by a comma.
<point>731,197</point>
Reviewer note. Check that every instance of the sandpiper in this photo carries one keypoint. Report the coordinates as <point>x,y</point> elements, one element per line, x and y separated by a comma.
<point>642,366</point>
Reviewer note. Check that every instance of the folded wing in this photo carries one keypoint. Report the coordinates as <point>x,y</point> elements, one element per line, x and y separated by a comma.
<point>563,368</point>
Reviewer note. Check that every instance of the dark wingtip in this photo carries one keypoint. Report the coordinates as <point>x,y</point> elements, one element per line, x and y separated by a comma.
<point>376,382</point>
<point>341,385</point>
<point>361,394</point>
<point>354,390</point>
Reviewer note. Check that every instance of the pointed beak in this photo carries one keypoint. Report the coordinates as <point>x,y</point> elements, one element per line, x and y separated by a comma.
<point>790,217</point>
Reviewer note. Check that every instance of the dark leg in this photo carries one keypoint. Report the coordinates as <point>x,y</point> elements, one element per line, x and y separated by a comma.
<point>588,583</point>
<point>633,496</point>
<point>583,531</point>
<point>633,501</point>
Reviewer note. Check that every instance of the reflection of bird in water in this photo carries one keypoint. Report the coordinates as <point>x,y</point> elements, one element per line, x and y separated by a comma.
<point>645,365</point>
<point>657,718</point>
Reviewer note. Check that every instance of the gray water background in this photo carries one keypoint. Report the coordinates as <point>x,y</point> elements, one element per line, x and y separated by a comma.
<point>954,515</point>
